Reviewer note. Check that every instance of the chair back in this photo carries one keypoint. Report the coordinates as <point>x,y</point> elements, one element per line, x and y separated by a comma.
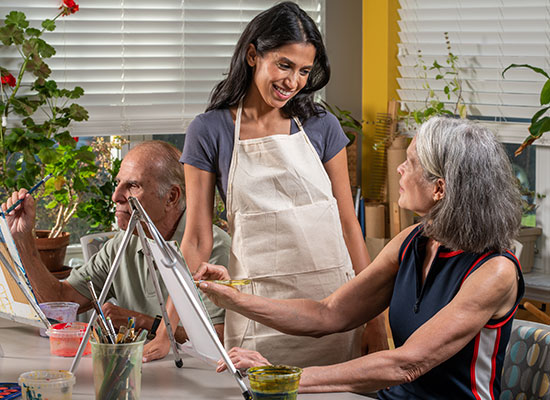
<point>92,243</point>
<point>526,371</point>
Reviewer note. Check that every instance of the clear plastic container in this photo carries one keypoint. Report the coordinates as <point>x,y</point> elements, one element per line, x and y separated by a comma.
<point>63,311</point>
<point>274,382</point>
<point>65,339</point>
<point>47,384</point>
<point>117,370</point>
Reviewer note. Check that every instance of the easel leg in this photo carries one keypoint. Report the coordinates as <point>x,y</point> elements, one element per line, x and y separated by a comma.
<point>153,274</point>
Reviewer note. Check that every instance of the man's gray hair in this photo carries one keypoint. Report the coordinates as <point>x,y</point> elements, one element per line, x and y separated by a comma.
<point>481,208</point>
<point>169,171</point>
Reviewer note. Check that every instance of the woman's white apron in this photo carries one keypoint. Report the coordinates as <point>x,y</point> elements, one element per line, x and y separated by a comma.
<point>286,237</point>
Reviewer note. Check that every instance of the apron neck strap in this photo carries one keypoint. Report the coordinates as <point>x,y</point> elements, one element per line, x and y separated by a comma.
<point>238,120</point>
<point>298,123</point>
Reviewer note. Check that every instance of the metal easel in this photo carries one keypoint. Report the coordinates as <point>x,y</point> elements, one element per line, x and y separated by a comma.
<point>138,215</point>
<point>170,259</point>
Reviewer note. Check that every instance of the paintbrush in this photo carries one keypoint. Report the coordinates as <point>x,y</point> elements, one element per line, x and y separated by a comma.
<point>31,191</point>
<point>100,316</point>
<point>231,282</point>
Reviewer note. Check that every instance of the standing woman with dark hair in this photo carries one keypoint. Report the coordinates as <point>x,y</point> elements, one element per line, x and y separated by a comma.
<point>279,162</point>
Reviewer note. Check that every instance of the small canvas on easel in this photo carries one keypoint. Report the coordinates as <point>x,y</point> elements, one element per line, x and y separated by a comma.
<point>201,344</point>
<point>17,301</point>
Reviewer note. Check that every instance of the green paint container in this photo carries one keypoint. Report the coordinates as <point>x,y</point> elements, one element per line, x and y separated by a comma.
<point>274,382</point>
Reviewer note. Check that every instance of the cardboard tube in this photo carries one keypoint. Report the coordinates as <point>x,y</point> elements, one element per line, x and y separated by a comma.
<point>396,154</point>
<point>375,223</point>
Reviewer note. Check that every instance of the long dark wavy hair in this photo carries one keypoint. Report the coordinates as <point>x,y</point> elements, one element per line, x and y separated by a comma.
<point>282,24</point>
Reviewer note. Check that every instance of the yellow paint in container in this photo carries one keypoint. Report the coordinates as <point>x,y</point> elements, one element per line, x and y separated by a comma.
<point>274,382</point>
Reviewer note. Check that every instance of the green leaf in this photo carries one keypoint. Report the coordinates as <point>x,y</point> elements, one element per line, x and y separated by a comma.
<point>48,155</point>
<point>48,25</point>
<point>538,114</point>
<point>11,34</point>
<point>544,127</point>
<point>33,32</point>
<point>536,69</point>
<point>446,89</point>
<point>539,127</point>
<point>30,49</point>
<point>65,139</point>
<point>22,107</point>
<point>45,50</point>
<point>545,93</point>
<point>436,65</point>
<point>78,113</point>
<point>438,77</point>
<point>17,18</point>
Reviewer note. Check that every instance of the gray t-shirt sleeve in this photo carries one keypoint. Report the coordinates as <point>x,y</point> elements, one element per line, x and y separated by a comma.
<point>326,135</point>
<point>200,149</point>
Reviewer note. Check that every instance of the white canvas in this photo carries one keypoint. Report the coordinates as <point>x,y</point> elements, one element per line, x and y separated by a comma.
<point>13,305</point>
<point>202,343</point>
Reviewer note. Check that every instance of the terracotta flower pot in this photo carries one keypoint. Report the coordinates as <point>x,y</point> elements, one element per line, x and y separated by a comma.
<point>52,251</point>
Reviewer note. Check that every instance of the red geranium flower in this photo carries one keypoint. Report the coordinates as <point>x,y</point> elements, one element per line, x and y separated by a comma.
<point>9,80</point>
<point>69,7</point>
<point>75,139</point>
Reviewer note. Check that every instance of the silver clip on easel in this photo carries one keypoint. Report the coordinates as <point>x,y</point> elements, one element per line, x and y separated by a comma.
<point>138,215</point>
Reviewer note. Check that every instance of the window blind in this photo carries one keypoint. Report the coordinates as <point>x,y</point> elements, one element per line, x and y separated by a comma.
<point>146,67</point>
<point>487,36</point>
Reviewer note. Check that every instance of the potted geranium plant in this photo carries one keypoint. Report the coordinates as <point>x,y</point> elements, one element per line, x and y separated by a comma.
<point>32,143</point>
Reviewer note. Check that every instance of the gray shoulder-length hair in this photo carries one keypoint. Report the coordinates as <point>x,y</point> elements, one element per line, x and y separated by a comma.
<point>481,208</point>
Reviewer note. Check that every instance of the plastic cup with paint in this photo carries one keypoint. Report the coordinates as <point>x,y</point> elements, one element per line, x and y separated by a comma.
<point>65,338</point>
<point>62,311</point>
<point>117,370</point>
<point>47,384</point>
<point>274,382</point>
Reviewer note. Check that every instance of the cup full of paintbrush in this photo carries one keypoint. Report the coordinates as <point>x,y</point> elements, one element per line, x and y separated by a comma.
<point>117,365</point>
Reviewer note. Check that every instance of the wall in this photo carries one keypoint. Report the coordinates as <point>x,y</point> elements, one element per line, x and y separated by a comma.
<point>343,40</point>
<point>380,37</point>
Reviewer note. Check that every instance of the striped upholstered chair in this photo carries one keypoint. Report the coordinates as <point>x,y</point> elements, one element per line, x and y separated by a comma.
<point>526,372</point>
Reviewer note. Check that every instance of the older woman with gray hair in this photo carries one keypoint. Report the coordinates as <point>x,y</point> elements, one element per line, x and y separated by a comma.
<point>450,282</point>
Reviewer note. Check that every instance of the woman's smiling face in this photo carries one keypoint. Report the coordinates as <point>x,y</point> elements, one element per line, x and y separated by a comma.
<point>281,73</point>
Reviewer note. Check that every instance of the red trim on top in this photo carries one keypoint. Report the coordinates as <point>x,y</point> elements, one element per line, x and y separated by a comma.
<point>501,323</point>
<point>450,254</point>
<point>515,258</point>
<point>473,369</point>
<point>493,365</point>
<point>407,246</point>
<point>473,266</point>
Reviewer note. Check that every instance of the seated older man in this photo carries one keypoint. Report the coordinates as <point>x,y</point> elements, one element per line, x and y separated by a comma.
<point>152,173</point>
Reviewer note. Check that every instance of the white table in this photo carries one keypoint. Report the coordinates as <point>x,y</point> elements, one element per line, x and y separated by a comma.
<point>25,350</point>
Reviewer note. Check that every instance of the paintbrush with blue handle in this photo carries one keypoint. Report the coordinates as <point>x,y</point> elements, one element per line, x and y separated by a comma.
<point>31,191</point>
